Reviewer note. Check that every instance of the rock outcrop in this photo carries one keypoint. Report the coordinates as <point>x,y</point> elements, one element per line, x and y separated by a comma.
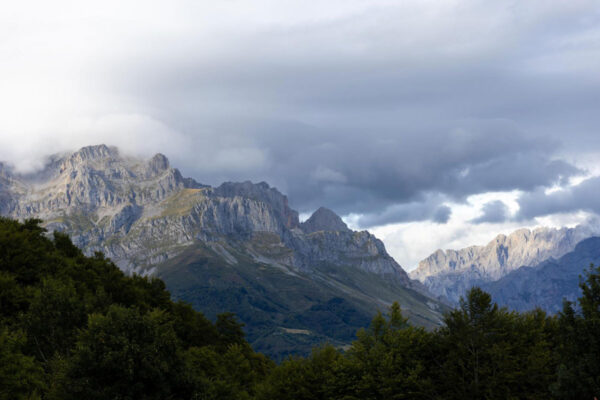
<point>451,273</point>
<point>143,212</point>
<point>236,247</point>
<point>324,220</point>
<point>547,284</point>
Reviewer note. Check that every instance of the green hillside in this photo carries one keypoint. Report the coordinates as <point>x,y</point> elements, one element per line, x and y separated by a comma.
<point>75,327</point>
<point>287,312</point>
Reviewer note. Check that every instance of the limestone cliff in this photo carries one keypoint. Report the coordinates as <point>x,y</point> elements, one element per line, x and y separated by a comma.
<point>451,273</point>
<point>143,212</point>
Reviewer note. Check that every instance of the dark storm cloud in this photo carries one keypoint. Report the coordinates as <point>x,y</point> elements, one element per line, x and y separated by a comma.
<point>582,197</point>
<point>442,214</point>
<point>381,124</point>
<point>423,209</point>
<point>359,173</point>
<point>363,106</point>
<point>494,212</point>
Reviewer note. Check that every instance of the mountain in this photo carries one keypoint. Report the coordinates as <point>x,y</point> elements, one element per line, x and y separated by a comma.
<point>547,284</point>
<point>236,247</point>
<point>451,273</point>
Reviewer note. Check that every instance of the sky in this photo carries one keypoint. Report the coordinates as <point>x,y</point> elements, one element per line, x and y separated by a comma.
<point>434,124</point>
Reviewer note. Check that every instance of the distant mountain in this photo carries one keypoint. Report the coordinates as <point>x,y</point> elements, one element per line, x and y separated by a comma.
<point>547,284</point>
<point>451,273</point>
<point>237,247</point>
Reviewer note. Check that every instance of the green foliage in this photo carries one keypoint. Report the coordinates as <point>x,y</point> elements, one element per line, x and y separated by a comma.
<point>74,327</point>
<point>316,377</point>
<point>21,377</point>
<point>229,330</point>
<point>579,343</point>
<point>483,352</point>
<point>124,354</point>
<point>54,315</point>
<point>387,360</point>
<point>491,353</point>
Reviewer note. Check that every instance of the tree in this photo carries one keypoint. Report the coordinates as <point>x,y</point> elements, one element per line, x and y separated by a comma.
<point>54,315</point>
<point>21,377</point>
<point>124,354</point>
<point>229,330</point>
<point>76,327</point>
<point>578,349</point>
<point>387,361</point>
<point>491,353</point>
<point>315,377</point>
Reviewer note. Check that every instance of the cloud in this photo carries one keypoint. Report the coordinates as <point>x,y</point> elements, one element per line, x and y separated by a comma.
<point>430,209</point>
<point>493,212</point>
<point>412,242</point>
<point>359,106</point>
<point>324,174</point>
<point>581,197</point>
<point>442,214</point>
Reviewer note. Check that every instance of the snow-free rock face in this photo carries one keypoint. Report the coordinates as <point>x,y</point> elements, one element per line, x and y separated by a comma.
<point>324,220</point>
<point>236,247</point>
<point>451,273</point>
<point>143,212</point>
<point>547,284</point>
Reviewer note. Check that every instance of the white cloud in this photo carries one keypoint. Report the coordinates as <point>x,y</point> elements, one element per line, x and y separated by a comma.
<point>208,83</point>
<point>411,242</point>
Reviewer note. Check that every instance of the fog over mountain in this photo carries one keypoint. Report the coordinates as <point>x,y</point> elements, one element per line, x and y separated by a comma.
<point>438,120</point>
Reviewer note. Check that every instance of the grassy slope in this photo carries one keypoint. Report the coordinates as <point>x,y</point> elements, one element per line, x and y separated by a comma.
<point>274,302</point>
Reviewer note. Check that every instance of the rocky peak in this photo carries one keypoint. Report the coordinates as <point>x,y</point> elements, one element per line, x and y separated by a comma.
<point>261,192</point>
<point>96,152</point>
<point>4,171</point>
<point>452,272</point>
<point>324,220</point>
<point>258,191</point>
<point>159,163</point>
<point>141,212</point>
<point>100,155</point>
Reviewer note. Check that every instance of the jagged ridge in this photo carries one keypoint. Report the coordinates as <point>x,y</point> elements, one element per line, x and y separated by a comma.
<point>451,273</point>
<point>143,214</point>
<point>547,284</point>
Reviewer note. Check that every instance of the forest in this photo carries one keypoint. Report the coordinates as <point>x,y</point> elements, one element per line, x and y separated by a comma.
<point>76,327</point>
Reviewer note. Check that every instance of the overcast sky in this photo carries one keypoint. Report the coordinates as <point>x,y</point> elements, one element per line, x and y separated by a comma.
<point>431,123</point>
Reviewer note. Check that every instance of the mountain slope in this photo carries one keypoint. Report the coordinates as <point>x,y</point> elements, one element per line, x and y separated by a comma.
<point>547,284</point>
<point>288,311</point>
<point>451,273</point>
<point>230,248</point>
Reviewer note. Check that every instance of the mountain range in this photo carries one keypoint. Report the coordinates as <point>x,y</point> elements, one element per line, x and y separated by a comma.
<point>236,247</point>
<point>547,284</point>
<point>514,267</point>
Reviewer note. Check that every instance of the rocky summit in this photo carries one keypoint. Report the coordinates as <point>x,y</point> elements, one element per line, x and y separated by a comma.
<point>547,284</point>
<point>451,273</point>
<point>236,247</point>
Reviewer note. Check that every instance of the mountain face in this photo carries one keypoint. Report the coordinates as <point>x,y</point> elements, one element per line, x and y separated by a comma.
<point>547,284</point>
<point>237,247</point>
<point>451,273</point>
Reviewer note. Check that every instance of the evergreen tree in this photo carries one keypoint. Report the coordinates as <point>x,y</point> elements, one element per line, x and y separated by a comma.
<point>75,327</point>
<point>21,377</point>
<point>578,374</point>
<point>491,353</point>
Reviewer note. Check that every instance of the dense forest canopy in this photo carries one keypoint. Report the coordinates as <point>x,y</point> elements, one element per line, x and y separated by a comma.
<point>75,327</point>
